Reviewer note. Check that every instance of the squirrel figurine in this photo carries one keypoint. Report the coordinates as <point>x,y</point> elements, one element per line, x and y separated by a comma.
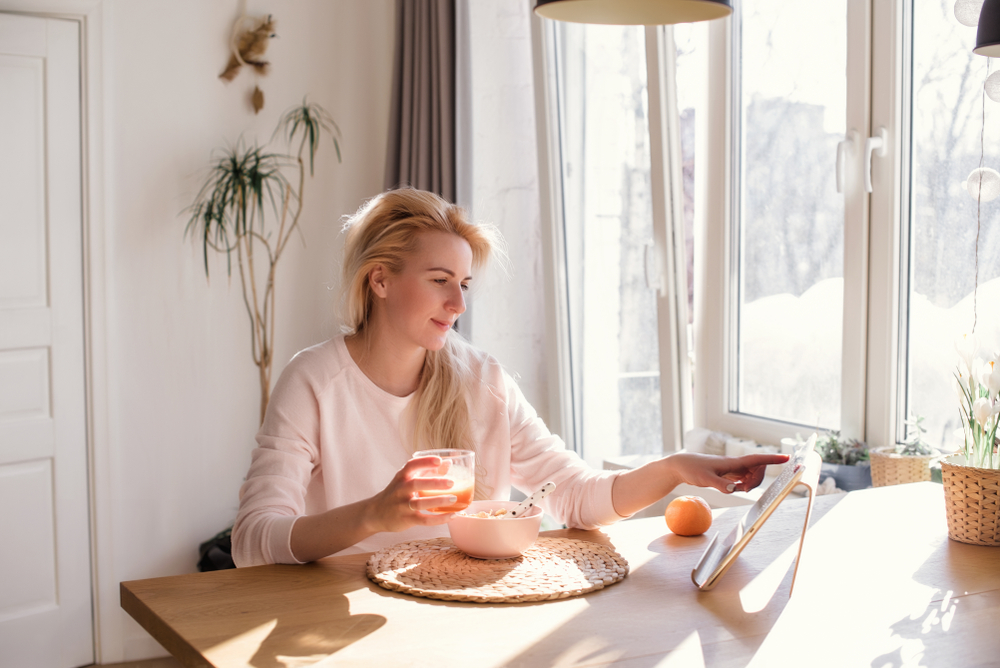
<point>249,48</point>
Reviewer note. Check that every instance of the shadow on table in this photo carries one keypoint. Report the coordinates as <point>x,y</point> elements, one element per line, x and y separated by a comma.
<point>691,628</point>
<point>305,645</point>
<point>281,634</point>
<point>957,625</point>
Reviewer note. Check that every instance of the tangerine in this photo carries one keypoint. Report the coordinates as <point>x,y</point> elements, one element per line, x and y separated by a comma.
<point>688,516</point>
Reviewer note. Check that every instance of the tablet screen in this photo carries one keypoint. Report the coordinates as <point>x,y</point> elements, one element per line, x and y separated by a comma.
<point>720,554</point>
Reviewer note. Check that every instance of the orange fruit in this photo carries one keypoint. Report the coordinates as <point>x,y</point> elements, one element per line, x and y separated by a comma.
<point>688,516</point>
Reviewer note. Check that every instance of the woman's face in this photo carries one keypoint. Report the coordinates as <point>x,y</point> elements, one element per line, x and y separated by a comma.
<point>423,301</point>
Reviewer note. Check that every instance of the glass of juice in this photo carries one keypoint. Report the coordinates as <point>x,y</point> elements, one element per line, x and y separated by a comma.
<point>459,466</point>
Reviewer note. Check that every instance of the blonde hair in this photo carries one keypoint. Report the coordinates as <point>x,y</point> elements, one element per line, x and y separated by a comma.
<point>384,232</point>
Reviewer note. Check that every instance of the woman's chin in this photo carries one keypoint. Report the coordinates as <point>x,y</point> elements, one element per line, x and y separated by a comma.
<point>437,343</point>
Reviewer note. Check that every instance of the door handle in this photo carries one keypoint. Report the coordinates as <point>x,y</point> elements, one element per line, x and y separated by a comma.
<point>874,145</point>
<point>844,147</point>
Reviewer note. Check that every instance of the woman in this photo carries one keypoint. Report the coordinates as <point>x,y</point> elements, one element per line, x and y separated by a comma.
<point>333,472</point>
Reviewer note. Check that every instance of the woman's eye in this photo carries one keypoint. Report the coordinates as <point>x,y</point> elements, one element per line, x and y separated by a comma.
<point>465,286</point>
<point>441,281</point>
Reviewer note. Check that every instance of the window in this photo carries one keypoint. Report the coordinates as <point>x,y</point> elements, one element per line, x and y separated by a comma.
<point>834,237</point>
<point>789,251</point>
<point>624,249</point>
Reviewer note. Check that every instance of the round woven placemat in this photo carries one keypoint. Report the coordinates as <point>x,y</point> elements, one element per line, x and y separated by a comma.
<point>551,568</point>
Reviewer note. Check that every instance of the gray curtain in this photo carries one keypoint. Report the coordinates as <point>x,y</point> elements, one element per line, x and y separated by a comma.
<point>422,121</point>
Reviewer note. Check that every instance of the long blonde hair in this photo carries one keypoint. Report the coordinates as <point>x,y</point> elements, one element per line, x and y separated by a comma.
<point>384,232</point>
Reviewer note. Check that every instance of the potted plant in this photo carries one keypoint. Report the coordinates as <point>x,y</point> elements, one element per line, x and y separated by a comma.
<point>248,209</point>
<point>909,461</point>
<point>845,460</point>
<point>971,478</point>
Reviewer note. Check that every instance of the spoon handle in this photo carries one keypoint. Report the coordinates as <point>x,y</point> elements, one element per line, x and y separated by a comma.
<point>527,504</point>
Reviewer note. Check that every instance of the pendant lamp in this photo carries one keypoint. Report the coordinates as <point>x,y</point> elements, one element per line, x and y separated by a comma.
<point>635,12</point>
<point>988,35</point>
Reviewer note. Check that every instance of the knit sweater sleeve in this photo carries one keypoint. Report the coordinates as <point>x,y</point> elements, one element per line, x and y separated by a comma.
<point>273,496</point>
<point>582,499</point>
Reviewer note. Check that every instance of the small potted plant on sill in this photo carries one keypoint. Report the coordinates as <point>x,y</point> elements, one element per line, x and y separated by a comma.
<point>909,461</point>
<point>845,460</point>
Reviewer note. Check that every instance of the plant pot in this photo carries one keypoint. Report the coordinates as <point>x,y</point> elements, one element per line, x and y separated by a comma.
<point>972,502</point>
<point>848,478</point>
<point>889,468</point>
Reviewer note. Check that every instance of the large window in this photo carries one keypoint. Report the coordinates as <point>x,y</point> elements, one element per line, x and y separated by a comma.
<point>623,245</point>
<point>834,260</point>
<point>792,95</point>
<point>605,169</point>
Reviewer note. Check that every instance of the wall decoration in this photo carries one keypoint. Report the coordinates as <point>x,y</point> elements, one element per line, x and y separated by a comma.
<point>247,46</point>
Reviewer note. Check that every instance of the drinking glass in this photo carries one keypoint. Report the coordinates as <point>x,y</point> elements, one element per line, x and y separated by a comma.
<point>459,466</point>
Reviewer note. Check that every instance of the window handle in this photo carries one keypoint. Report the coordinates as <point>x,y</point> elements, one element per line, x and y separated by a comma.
<point>874,145</point>
<point>844,148</point>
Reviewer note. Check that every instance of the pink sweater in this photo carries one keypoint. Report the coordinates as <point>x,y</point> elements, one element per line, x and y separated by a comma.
<point>332,437</point>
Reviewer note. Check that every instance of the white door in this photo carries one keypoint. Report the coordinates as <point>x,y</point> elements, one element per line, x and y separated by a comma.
<point>45,583</point>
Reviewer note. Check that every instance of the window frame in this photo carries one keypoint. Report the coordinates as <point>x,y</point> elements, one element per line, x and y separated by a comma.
<point>874,256</point>
<point>668,236</point>
<point>876,243</point>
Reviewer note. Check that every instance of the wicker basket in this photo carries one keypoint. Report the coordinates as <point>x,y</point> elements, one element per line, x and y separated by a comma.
<point>972,503</point>
<point>889,468</point>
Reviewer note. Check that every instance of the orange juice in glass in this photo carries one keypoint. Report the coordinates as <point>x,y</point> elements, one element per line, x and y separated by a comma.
<point>459,466</point>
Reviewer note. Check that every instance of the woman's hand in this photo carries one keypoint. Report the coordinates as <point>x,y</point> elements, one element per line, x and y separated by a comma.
<point>726,474</point>
<point>636,489</point>
<point>399,506</point>
<point>395,508</point>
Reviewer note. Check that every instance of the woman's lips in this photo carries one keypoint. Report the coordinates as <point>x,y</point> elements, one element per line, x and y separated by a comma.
<point>443,325</point>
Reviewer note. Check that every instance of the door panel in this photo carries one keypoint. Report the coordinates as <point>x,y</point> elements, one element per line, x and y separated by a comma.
<point>27,485</point>
<point>45,585</point>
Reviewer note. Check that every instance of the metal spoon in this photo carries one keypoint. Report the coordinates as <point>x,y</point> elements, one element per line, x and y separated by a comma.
<point>528,503</point>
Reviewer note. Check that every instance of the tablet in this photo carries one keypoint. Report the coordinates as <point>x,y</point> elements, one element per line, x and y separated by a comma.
<point>720,554</point>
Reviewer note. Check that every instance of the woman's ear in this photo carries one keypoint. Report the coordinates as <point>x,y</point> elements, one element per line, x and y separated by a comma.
<point>377,281</point>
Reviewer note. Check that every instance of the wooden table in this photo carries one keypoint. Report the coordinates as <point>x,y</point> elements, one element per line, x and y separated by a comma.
<point>880,584</point>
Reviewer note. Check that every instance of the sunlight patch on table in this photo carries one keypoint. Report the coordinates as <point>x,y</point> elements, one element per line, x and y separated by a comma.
<point>687,654</point>
<point>315,661</point>
<point>757,593</point>
<point>587,651</point>
<point>241,648</point>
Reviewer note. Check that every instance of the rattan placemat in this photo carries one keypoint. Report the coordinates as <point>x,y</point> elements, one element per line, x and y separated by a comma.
<point>551,568</point>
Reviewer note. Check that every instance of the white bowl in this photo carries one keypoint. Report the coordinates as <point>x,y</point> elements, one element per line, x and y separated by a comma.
<point>494,538</point>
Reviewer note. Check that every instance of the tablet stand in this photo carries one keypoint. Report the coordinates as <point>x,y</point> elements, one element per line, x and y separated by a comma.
<point>801,470</point>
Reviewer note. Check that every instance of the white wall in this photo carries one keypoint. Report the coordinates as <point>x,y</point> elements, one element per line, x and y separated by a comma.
<point>182,388</point>
<point>507,313</point>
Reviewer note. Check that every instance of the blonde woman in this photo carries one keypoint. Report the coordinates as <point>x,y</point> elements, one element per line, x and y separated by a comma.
<point>333,473</point>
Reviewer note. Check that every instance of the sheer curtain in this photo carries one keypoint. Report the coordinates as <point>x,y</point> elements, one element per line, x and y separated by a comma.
<point>422,123</point>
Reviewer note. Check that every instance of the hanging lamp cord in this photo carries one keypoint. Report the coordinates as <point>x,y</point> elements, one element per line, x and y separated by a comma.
<point>979,205</point>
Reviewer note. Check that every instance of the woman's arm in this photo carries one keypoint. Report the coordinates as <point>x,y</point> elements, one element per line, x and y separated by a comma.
<point>395,508</point>
<point>644,486</point>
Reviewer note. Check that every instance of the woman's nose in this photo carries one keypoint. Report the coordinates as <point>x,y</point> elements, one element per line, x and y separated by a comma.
<point>456,302</point>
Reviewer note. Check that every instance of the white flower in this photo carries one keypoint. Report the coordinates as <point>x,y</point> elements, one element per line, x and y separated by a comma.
<point>983,409</point>
<point>967,346</point>
<point>960,389</point>
<point>989,376</point>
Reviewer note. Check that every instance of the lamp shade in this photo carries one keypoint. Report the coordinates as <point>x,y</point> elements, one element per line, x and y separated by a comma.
<point>634,12</point>
<point>988,35</point>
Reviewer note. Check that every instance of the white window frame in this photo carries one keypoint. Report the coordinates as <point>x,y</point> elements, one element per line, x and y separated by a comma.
<point>873,238</point>
<point>871,342</point>
<point>668,235</point>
